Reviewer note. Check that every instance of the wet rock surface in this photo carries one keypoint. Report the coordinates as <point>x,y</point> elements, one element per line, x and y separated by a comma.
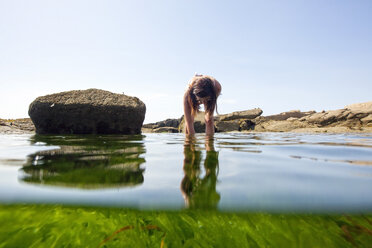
<point>166,123</point>
<point>227,126</point>
<point>199,123</point>
<point>89,111</point>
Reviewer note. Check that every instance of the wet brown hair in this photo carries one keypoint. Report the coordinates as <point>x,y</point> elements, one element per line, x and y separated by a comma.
<point>202,90</point>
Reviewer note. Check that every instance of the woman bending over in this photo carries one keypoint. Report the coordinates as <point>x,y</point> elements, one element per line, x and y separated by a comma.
<point>202,90</point>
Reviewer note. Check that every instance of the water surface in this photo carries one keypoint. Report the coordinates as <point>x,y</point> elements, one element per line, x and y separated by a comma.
<point>232,172</point>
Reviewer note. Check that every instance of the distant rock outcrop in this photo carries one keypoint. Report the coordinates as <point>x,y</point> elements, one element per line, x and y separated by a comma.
<point>16,126</point>
<point>294,114</point>
<point>247,114</point>
<point>89,111</point>
<point>353,116</point>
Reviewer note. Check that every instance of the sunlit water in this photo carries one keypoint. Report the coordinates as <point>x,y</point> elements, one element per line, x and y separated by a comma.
<point>234,172</point>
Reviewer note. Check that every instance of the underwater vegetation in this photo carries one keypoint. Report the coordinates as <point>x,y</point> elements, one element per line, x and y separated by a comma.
<point>63,226</point>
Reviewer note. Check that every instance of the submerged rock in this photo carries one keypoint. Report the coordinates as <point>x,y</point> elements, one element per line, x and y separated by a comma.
<point>165,130</point>
<point>91,111</point>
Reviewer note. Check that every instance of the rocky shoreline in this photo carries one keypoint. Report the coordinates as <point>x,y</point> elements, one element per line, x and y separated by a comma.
<point>352,118</point>
<point>16,126</point>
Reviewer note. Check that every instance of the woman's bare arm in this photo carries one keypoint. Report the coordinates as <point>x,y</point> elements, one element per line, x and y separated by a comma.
<point>209,124</point>
<point>189,119</point>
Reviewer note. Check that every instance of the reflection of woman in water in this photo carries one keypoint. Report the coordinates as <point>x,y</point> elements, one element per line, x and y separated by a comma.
<point>202,90</point>
<point>200,192</point>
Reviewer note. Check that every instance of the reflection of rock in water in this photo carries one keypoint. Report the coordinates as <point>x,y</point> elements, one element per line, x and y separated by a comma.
<point>87,162</point>
<point>200,191</point>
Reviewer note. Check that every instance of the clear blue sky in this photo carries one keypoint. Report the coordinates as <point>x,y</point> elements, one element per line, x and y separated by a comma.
<point>276,55</point>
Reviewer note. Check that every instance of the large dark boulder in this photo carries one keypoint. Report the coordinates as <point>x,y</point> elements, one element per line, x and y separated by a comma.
<point>89,111</point>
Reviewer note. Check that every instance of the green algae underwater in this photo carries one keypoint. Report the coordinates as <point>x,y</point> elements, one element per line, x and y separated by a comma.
<point>63,226</point>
